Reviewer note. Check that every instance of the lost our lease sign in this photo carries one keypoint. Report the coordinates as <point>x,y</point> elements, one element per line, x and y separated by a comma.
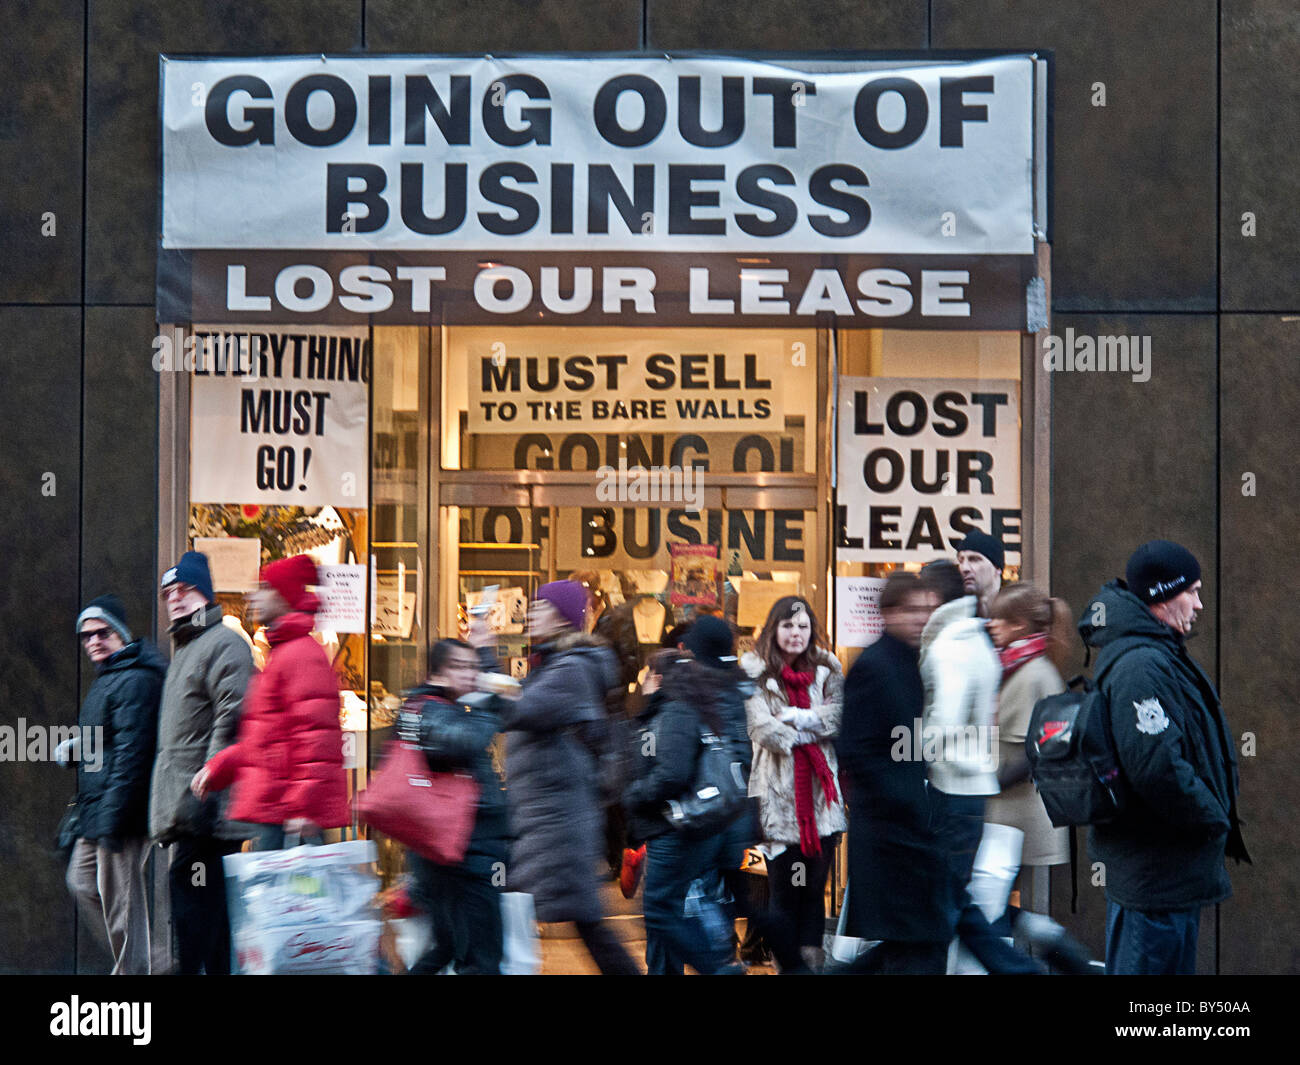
<point>922,462</point>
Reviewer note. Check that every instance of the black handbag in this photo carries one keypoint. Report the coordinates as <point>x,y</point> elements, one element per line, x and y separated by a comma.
<point>69,829</point>
<point>719,792</point>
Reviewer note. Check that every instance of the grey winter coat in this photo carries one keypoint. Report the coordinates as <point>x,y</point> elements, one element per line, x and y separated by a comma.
<point>556,815</point>
<point>201,703</point>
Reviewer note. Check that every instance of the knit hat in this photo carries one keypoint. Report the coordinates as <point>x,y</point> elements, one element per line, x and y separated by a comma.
<point>193,570</point>
<point>709,639</point>
<point>1160,570</point>
<point>108,609</point>
<point>290,577</point>
<point>569,598</point>
<point>984,544</point>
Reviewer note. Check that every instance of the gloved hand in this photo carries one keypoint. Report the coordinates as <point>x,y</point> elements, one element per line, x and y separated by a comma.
<point>801,737</point>
<point>67,751</point>
<point>801,719</point>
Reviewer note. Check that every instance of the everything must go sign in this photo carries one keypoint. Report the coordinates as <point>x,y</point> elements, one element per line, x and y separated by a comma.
<point>923,461</point>
<point>407,181</point>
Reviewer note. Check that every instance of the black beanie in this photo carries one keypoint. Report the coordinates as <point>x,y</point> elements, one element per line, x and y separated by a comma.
<point>984,544</point>
<point>1160,570</point>
<point>709,639</point>
<point>109,610</point>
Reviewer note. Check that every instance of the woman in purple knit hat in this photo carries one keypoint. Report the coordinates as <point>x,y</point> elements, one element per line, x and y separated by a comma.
<point>556,813</point>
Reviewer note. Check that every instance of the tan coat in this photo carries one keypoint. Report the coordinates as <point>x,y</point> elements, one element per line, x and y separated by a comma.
<point>771,778</point>
<point>1020,806</point>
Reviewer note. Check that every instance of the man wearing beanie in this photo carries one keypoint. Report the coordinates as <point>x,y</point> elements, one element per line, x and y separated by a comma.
<point>201,703</point>
<point>287,766</point>
<point>1164,853</point>
<point>106,871</point>
<point>980,557</point>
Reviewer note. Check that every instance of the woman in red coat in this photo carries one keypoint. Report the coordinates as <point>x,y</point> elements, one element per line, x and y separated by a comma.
<point>287,765</point>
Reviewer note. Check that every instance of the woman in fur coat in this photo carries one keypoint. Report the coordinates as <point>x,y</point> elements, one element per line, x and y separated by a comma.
<point>794,717</point>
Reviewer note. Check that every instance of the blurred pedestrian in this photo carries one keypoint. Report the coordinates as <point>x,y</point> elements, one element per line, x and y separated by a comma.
<point>286,768</point>
<point>700,692</point>
<point>1033,634</point>
<point>552,767</point>
<point>898,881</point>
<point>961,672</point>
<point>202,699</point>
<point>454,726</point>
<point>794,717</point>
<point>106,872</point>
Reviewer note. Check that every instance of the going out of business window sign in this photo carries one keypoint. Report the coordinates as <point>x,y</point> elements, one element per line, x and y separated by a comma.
<point>584,190</point>
<point>922,462</point>
<point>279,415</point>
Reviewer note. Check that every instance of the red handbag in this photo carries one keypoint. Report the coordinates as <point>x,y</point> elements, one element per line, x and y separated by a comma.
<point>432,813</point>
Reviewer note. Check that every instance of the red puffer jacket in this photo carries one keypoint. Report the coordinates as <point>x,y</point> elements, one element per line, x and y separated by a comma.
<point>288,760</point>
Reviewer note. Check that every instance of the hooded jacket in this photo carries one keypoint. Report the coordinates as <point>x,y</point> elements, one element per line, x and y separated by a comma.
<point>961,674</point>
<point>556,815</point>
<point>288,761</point>
<point>113,801</point>
<point>668,765</point>
<point>1165,851</point>
<point>201,702</point>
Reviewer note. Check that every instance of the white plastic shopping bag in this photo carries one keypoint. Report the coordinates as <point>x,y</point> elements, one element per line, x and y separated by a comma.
<point>520,954</point>
<point>847,949</point>
<point>304,910</point>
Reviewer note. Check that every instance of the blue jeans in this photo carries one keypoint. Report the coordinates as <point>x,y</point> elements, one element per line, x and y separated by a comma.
<point>1151,943</point>
<point>698,934</point>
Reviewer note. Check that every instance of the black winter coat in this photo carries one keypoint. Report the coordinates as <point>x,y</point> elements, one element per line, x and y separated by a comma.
<point>456,736</point>
<point>556,816</point>
<point>897,874</point>
<point>673,719</point>
<point>113,801</point>
<point>1166,850</point>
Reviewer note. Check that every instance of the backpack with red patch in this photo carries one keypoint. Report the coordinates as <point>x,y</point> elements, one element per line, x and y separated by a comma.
<point>1072,755</point>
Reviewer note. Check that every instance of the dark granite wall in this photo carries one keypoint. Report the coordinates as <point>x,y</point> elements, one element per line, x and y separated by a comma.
<point>1199,128</point>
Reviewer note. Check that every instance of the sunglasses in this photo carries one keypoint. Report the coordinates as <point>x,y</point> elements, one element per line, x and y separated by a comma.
<point>93,634</point>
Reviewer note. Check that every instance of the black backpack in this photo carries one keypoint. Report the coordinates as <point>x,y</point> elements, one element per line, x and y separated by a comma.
<point>719,791</point>
<point>1072,757</point>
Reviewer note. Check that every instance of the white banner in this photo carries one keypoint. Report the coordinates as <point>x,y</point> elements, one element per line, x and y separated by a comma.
<point>675,155</point>
<point>279,416</point>
<point>923,461</point>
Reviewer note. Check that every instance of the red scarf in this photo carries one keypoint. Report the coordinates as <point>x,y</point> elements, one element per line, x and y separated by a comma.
<point>1017,654</point>
<point>808,762</point>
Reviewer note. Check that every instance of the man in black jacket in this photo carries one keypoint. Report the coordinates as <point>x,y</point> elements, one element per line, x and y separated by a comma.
<point>106,871</point>
<point>1163,856</point>
<point>898,880</point>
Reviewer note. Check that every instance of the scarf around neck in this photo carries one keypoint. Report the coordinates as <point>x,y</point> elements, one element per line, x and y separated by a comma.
<point>1015,655</point>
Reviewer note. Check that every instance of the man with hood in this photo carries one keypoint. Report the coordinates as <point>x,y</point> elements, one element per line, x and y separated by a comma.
<point>1164,853</point>
<point>201,703</point>
<point>106,872</point>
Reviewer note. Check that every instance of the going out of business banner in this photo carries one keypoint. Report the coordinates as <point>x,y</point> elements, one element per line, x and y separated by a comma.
<point>921,462</point>
<point>709,190</point>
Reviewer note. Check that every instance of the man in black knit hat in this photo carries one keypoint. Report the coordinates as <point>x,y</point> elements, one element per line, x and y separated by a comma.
<point>980,557</point>
<point>1163,855</point>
